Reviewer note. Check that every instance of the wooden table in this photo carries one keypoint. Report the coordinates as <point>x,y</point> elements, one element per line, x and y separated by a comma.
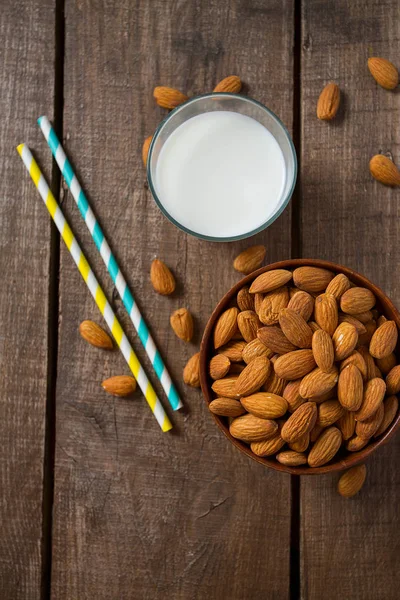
<point>95,502</point>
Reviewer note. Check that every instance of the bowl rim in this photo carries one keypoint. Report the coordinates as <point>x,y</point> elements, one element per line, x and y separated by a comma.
<point>352,459</point>
<point>201,236</point>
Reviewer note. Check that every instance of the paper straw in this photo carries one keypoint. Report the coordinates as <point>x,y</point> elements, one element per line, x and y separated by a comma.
<point>94,287</point>
<point>110,262</point>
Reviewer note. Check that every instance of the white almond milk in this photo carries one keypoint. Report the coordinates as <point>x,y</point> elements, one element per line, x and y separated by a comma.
<point>221,174</point>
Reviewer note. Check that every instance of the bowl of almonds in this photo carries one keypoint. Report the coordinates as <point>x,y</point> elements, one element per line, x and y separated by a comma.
<point>300,366</point>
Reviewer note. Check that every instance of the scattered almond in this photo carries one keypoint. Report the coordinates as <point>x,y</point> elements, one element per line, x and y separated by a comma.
<point>352,481</point>
<point>328,102</point>
<point>169,97</point>
<point>191,372</point>
<point>384,72</point>
<point>250,259</point>
<point>231,84</point>
<point>120,385</point>
<point>181,322</point>
<point>95,335</point>
<point>161,278</point>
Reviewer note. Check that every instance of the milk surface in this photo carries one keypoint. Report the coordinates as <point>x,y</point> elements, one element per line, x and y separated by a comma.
<point>221,174</point>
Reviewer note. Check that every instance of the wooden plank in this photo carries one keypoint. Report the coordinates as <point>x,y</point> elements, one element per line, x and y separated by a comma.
<point>350,547</point>
<point>138,513</point>
<point>27,83</point>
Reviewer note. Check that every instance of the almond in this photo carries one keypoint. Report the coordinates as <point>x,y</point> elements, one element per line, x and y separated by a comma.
<point>272,304</point>
<point>364,317</point>
<point>352,481</point>
<point>292,395</point>
<point>274,384</point>
<point>120,385</point>
<point>393,381</point>
<point>274,338</point>
<point>356,359</point>
<point>384,340</point>
<point>315,432</point>
<point>291,458</point>
<point>255,348</point>
<point>225,327</point>
<point>325,447</point>
<point>233,350</point>
<point>182,323</point>
<point>219,366</point>
<point>350,388</point>
<point>374,393</point>
<point>390,408</point>
<point>387,363</point>
<point>302,303</point>
<point>191,372</point>
<point>384,72</point>
<point>356,443</point>
<point>226,387</point>
<point>338,286</point>
<point>249,428</point>
<point>295,328</point>
<point>161,278</point>
<point>360,327</point>
<point>369,363</point>
<point>300,422</point>
<point>347,424</point>
<point>301,444</point>
<point>268,447</point>
<point>95,335</point>
<point>322,348</point>
<point>312,279</point>
<point>313,326</point>
<point>270,280</point>
<point>326,312</point>
<point>253,376</point>
<point>344,340</point>
<point>145,149</point>
<point>329,412</point>
<point>328,102</point>
<point>258,300</point>
<point>231,84</point>
<point>318,382</point>
<point>226,407</point>
<point>169,97</point>
<point>248,324</point>
<point>367,429</point>
<point>265,405</point>
<point>294,365</point>
<point>357,300</point>
<point>244,299</point>
<point>250,259</point>
<point>364,339</point>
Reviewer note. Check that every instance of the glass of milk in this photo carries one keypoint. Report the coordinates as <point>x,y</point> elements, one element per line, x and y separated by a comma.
<point>222,167</point>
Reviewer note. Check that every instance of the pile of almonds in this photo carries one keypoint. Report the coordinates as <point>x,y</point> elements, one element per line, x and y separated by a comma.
<point>304,366</point>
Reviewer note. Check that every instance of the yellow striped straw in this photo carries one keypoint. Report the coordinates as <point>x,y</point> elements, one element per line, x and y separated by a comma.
<point>94,287</point>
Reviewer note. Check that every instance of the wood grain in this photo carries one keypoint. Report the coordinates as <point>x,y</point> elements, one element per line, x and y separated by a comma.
<point>27,83</point>
<point>137,513</point>
<point>350,547</point>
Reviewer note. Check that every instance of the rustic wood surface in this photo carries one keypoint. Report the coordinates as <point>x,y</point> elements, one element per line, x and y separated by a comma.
<point>27,84</point>
<point>349,549</point>
<point>137,514</point>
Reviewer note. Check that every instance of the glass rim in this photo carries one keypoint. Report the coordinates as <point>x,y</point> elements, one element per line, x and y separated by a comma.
<point>241,236</point>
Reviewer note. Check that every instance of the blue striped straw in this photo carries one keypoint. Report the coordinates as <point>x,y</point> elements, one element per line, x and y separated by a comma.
<point>110,262</point>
